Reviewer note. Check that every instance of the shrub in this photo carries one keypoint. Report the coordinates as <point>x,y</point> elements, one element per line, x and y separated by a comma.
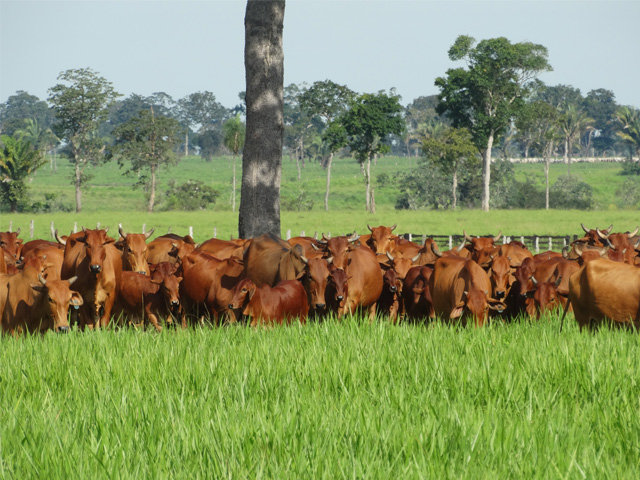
<point>628,194</point>
<point>190,195</point>
<point>571,192</point>
<point>299,202</point>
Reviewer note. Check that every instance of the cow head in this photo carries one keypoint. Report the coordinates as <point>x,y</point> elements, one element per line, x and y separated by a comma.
<point>95,246</point>
<point>339,288</point>
<point>595,236</point>
<point>482,248</point>
<point>337,248</point>
<point>545,296</point>
<point>477,304</point>
<point>428,254</point>
<point>11,244</point>
<point>501,278</point>
<point>242,294</point>
<point>523,276</point>
<point>391,282</point>
<point>170,288</point>
<point>382,239</point>
<point>315,282</point>
<point>181,249</point>
<point>400,264</point>
<point>134,251</point>
<point>58,297</point>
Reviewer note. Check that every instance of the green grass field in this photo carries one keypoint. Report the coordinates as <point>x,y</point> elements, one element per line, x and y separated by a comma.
<point>349,400</point>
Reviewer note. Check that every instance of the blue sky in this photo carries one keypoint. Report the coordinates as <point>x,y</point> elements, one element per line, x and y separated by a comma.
<point>180,47</point>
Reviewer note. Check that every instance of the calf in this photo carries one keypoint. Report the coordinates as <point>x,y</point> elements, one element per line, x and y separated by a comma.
<point>416,296</point>
<point>285,302</point>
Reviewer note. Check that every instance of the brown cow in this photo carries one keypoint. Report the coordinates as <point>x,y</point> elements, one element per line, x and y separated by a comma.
<point>270,260</point>
<point>501,277</point>
<point>516,252</point>
<point>310,246</point>
<point>38,244</point>
<point>428,253</point>
<point>208,282</point>
<point>315,282</point>
<point>416,296</point>
<point>144,298</point>
<point>482,248</point>
<point>390,301</point>
<point>134,251</point>
<point>336,292</point>
<point>603,289</point>
<point>38,307</point>
<point>53,256</point>
<point>460,287</point>
<point>364,284</point>
<point>592,237</point>
<point>286,302</point>
<point>382,239</point>
<point>169,248</point>
<point>11,247</point>
<point>92,257</point>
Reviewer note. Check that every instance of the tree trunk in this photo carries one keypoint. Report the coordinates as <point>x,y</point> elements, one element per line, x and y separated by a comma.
<point>566,151</point>
<point>547,161</point>
<point>569,146</point>
<point>326,192</point>
<point>297,155</point>
<point>262,155</point>
<point>486,173</point>
<point>367,179</point>
<point>454,190</point>
<point>186,142</point>
<point>78,184</point>
<point>233,187</point>
<point>152,190</point>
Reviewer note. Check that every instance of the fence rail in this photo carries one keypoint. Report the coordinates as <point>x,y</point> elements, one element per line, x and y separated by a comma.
<point>535,243</point>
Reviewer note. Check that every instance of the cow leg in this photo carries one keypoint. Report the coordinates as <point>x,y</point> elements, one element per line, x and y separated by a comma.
<point>372,312</point>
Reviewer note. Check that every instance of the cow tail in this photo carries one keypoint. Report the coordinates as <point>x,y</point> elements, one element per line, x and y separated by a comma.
<point>564,314</point>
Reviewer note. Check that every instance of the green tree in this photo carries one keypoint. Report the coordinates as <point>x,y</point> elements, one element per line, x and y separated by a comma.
<point>234,131</point>
<point>628,120</point>
<point>42,139</point>
<point>81,104</point>
<point>327,100</point>
<point>488,94</point>
<point>146,142</point>
<point>20,107</point>
<point>572,123</point>
<point>600,104</point>
<point>18,160</point>
<point>259,211</point>
<point>449,151</point>
<point>369,120</point>
<point>200,111</point>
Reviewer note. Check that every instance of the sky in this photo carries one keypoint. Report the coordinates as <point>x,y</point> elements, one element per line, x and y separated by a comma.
<point>180,47</point>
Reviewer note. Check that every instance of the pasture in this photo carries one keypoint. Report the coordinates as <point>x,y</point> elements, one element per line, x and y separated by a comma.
<point>328,400</point>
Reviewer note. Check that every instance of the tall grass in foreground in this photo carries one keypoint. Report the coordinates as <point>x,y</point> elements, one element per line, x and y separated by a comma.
<point>323,400</point>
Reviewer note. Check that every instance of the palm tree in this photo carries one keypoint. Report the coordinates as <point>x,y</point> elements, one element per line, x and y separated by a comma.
<point>629,121</point>
<point>572,122</point>
<point>42,139</point>
<point>18,160</point>
<point>233,131</point>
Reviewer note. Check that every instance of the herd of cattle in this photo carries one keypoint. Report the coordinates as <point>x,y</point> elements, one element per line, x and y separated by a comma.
<point>90,279</point>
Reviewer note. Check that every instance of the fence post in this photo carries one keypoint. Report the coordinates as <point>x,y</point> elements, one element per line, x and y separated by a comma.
<point>315,235</point>
<point>53,230</point>
<point>144,228</point>
<point>31,228</point>
<point>288,234</point>
<point>550,243</point>
<point>98,226</point>
<point>537,244</point>
<point>169,229</point>
<point>450,242</point>
<point>10,225</point>
<point>302,233</point>
<point>75,227</point>
<point>409,237</point>
<point>522,239</point>
<point>191,231</point>
<point>215,232</point>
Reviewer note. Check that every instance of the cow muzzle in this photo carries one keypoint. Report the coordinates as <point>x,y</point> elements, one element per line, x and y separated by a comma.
<point>320,306</point>
<point>95,268</point>
<point>339,298</point>
<point>500,294</point>
<point>63,329</point>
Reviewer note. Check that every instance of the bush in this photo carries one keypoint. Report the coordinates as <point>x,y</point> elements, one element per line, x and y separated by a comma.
<point>299,202</point>
<point>51,203</point>
<point>628,194</point>
<point>629,167</point>
<point>190,195</point>
<point>570,192</point>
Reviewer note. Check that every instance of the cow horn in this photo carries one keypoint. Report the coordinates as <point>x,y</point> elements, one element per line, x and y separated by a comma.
<point>634,233</point>
<point>84,230</point>
<point>122,234</point>
<point>389,256</point>
<point>497,237</point>
<point>106,229</point>
<point>304,259</point>
<point>459,249</point>
<point>436,251</point>
<point>393,227</point>
<point>324,237</point>
<point>586,230</point>
<point>533,280</point>
<point>18,231</point>
<point>330,260</point>
<point>608,229</point>
<point>578,250</point>
<point>72,279</point>
<point>313,245</point>
<point>322,241</point>
<point>415,259</point>
<point>60,240</point>
<point>558,280</point>
<point>353,237</point>
<point>565,252</point>
<point>41,279</point>
<point>370,229</point>
<point>637,244</point>
<point>602,234</point>
<point>466,237</point>
<point>149,233</point>
<point>603,252</point>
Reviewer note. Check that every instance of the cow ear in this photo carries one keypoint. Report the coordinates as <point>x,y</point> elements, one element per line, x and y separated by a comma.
<point>38,287</point>
<point>76,299</point>
<point>456,312</point>
<point>497,305</point>
<point>298,249</point>
<point>301,274</point>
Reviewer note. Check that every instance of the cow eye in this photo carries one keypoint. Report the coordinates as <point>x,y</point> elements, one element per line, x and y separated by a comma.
<point>244,289</point>
<point>50,300</point>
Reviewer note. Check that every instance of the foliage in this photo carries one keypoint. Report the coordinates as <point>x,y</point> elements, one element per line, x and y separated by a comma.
<point>209,142</point>
<point>630,167</point>
<point>233,131</point>
<point>18,160</point>
<point>20,107</point>
<point>201,111</point>
<point>570,192</point>
<point>299,201</point>
<point>629,123</point>
<point>628,194</point>
<point>190,195</point>
<point>41,138</point>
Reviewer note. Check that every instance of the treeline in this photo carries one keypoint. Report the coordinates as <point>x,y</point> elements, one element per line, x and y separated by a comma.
<point>493,107</point>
